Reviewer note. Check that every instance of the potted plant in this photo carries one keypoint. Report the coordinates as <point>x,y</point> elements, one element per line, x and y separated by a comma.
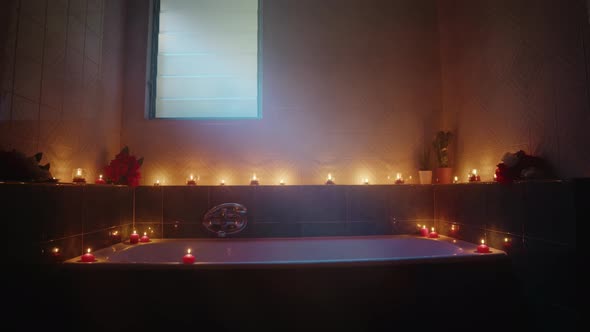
<point>425,173</point>
<point>443,173</point>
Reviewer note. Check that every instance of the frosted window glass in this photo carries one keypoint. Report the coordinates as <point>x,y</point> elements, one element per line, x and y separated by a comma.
<point>207,59</point>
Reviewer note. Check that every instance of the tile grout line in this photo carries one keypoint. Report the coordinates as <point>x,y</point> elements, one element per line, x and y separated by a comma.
<point>10,124</point>
<point>41,79</point>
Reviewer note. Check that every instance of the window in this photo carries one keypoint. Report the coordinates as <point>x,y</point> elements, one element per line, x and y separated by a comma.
<point>205,59</point>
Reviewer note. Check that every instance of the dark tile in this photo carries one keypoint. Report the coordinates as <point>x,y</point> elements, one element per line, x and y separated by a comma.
<point>153,229</point>
<point>96,240</point>
<point>411,203</point>
<point>504,241</point>
<point>505,208</point>
<point>185,230</point>
<point>59,209</point>
<point>185,203</point>
<point>550,211</point>
<point>362,228</point>
<point>404,227</point>
<point>276,230</point>
<point>101,207</point>
<point>326,229</point>
<point>367,203</point>
<point>461,203</point>
<point>323,204</point>
<point>243,195</point>
<point>20,214</point>
<point>68,247</point>
<point>125,203</point>
<point>148,204</point>
<point>277,204</point>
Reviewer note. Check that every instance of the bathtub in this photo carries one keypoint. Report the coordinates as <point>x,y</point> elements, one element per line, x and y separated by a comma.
<point>301,284</point>
<point>291,251</point>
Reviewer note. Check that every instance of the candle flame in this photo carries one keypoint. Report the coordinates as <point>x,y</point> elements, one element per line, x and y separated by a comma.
<point>100,176</point>
<point>253,176</point>
<point>191,177</point>
<point>432,229</point>
<point>329,176</point>
<point>188,251</point>
<point>144,233</point>
<point>158,181</point>
<point>134,232</point>
<point>115,232</point>
<point>424,227</point>
<point>505,239</point>
<point>366,181</point>
<point>452,227</point>
<point>282,181</point>
<point>456,178</point>
<point>483,241</point>
<point>398,176</point>
<point>222,181</point>
<point>474,172</point>
<point>79,172</point>
<point>418,225</point>
<point>88,250</point>
<point>495,176</point>
<point>56,250</point>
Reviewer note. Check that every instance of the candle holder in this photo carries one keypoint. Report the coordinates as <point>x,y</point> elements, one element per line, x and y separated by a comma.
<point>100,180</point>
<point>79,176</point>
<point>399,179</point>
<point>222,183</point>
<point>330,180</point>
<point>473,176</point>
<point>254,180</point>
<point>282,182</point>
<point>157,183</point>
<point>456,179</point>
<point>191,181</point>
<point>366,181</point>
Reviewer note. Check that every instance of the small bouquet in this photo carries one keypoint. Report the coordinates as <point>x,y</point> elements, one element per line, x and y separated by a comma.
<point>124,169</point>
<point>520,166</point>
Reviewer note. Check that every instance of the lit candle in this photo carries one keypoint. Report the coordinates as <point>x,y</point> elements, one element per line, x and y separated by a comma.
<point>134,238</point>
<point>88,257</point>
<point>474,177</point>
<point>254,180</point>
<point>79,176</point>
<point>366,181</point>
<point>115,236</point>
<point>330,179</point>
<point>100,180</point>
<point>55,253</point>
<point>188,258</point>
<point>144,238</point>
<point>424,231</point>
<point>453,230</point>
<point>222,183</point>
<point>507,244</point>
<point>456,179</point>
<point>483,248</point>
<point>157,183</point>
<point>191,180</point>
<point>433,234</point>
<point>282,182</point>
<point>399,179</point>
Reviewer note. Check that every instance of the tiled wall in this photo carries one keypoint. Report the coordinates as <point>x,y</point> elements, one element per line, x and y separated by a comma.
<point>72,218</point>
<point>350,87</point>
<point>61,81</point>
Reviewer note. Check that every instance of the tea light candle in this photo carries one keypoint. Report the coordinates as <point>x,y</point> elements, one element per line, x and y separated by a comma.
<point>424,231</point>
<point>399,179</point>
<point>483,248</point>
<point>79,176</point>
<point>330,179</point>
<point>55,253</point>
<point>191,181</point>
<point>282,182</point>
<point>474,177</point>
<point>254,180</point>
<point>157,183</point>
<point>188,258</point>
<point>456,179</point>
<point>433,234</point>
<point>134,238</point>
<point>100,180</point>
<point>222,183</point>
<point>115,236</point>
<point>88,257</point>
<point>144,238</point>
<point>366,181</point>
<point>453,230</point>
<point>507,244</point>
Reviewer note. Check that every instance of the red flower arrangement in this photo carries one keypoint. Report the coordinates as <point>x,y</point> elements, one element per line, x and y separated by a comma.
<point>124,169</point>
<point>521,166</point>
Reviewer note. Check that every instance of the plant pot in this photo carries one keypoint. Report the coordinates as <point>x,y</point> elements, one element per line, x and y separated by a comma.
<point>425,177</point>
<point>443,175</point>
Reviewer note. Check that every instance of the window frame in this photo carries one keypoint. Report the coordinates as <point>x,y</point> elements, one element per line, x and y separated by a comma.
<point>152,70</point>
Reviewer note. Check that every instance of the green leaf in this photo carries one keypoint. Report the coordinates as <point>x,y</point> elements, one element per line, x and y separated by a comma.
<point>38,156</point>
<point>140,161</point>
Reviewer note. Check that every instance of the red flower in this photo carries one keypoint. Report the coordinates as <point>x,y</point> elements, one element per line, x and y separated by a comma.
<point>124,169</point>
<point>520,166</point>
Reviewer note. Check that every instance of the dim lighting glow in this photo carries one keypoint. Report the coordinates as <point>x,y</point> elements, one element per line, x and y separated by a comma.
<point>366,181</point>
<point>432,229</point>
<point>56,250</point>
<point>329,176</point>
<point>222,182</point>
<point>282,181</point>
<point>100,176</point>
<point>254,177</point>
<point>79,172</point>
<point>188,251</point>
<point>483,241</point>
<point>88,250</point>
<point>505,239</point>
<point>456,179</point>
<point>398,176</point>
<point>144,233</point>
<point>134,232</point>
<point>474,172</point>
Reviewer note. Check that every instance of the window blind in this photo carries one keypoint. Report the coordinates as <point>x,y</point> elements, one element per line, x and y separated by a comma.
<point>207,59</point>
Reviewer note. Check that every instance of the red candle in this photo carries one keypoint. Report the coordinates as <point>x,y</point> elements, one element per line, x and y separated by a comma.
<point>88,257</point>
<point>507,244</point>
<point>144,238</point>
<point>453,230</point>
<point>134,238</point>
<point>424,231</point>
<point>56,254</point>
<point>188,258</point>
<point>433,234</point>
<point>483,248</point>
<point>115,236</point>
<point>100,180</point>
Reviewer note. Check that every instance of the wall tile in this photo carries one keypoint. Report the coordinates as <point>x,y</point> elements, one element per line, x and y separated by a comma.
<point>148,204</point>
<point>94,15</point>
<point>368,204</point>
<point>153,229</point>
<point>185,204</point>
<point>34,10</point>
<point>78,9</point>
<point>27,79</point>
<point>59,208</point>
<point>323,204</point>
<point>30,40</point>
<point>69,247</point>
<point>280,204</point>
<point>76,33</point>
<point>92,45</point>
<point>100,207</point>
<point>411,203</point>
<point>505,210</point>
<point>234,194</point>
<point>363,228</point>
<point>5,104</point>
<point>462,203</point>
<point>325,229</point>
<point>96,240</point>
<point>179,229</point>
<point>276,229</point>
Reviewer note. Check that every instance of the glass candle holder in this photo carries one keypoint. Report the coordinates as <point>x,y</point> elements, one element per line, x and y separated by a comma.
<point>79,175</point>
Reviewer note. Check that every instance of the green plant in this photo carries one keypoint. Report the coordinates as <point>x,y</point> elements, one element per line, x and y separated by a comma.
<point>424,159</point>
<point>441,145</point>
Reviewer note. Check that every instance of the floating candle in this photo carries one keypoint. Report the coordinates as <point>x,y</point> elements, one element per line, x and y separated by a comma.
<point>483,248</point>
<point>88,257</point>
<point>100,180</point>
<point>188,258</point>
<point>144,238</point>
<point>433,234</point>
